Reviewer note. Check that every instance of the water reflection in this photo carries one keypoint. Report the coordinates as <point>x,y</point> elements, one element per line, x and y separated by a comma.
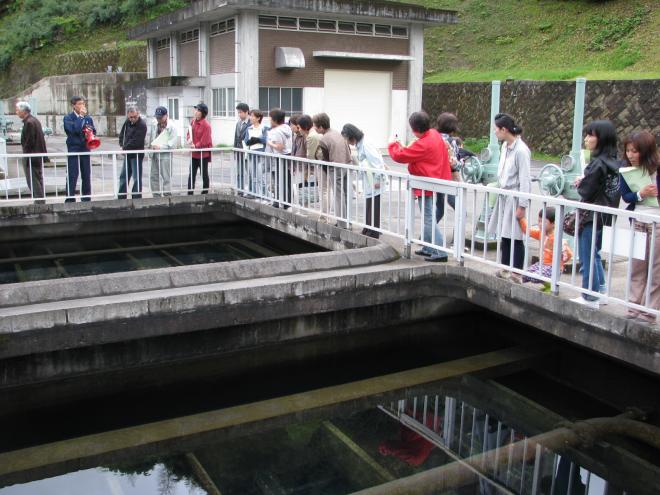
<point>158,479</point>
<point>463,431</point>
<point>434,443</point>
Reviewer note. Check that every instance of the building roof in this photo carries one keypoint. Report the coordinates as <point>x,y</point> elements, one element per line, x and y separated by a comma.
<point>208,10</point>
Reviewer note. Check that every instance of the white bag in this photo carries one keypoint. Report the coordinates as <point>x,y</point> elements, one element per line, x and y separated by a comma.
<point>622,240</point>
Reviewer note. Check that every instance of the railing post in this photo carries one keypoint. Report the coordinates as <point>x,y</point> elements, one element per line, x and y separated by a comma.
<point>349,195</point>
<point>410,222</point>
<point>460,216</point>
<point>115,179</point>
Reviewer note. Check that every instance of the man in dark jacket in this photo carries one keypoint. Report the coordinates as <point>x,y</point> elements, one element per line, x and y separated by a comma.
<point>32,141</point>
<point>74,126</point>
<point>243,112</point>
<point>131,137</point>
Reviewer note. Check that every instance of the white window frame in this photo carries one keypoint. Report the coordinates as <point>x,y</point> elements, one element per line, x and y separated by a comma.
<point>189,36</point>
<point>272,21</point>
<point>269,105</point>
<point>223,102</point>
<point>163,44</point>
<point>173,108</point>
<point>223,27</point>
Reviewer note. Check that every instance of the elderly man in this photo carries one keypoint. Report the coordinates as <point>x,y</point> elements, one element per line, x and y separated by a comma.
<point>75,124</point>
<point>163,137</point>
<point>131,137</point>
<point>333,148</point>
<point>32,141</point>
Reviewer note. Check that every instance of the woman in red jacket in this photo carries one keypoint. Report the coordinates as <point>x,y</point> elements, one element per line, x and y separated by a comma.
<point>426,157</point>
<point>200,138</point>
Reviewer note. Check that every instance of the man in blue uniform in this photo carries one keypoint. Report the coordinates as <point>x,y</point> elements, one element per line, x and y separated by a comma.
<point>74,125</point>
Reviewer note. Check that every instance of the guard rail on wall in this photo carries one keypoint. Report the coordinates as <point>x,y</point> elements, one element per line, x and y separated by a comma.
<point>382,202</point>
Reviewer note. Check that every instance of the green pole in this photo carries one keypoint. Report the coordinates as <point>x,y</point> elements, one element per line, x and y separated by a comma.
<point>576,148</point>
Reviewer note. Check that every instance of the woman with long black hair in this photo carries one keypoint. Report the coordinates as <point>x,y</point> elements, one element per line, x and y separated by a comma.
<point>513,173</point>
<point>599,186</point>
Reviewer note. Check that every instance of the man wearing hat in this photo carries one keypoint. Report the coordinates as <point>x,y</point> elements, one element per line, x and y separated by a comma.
<point>200,138</point>
<point>163,137</point>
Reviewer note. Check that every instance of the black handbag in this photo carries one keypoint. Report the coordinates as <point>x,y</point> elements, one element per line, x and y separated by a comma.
<point>571,219</point>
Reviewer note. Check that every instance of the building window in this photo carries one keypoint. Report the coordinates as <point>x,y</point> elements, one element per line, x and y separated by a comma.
<point>346,27</point>
<point>287,22</point>
<point>332,26</point>
<point>268,20</point>
<point>188,36</point>
<point>288,99</point>
<point>163,44</point>
<point>325,25</point>
<point>223,102</point>
<point>364,28</point>
<point>173,108</point>
<point>223,27</point>
<point>308,24</point>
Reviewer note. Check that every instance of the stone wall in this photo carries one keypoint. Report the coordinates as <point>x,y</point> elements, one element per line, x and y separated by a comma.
<point>545,108</point>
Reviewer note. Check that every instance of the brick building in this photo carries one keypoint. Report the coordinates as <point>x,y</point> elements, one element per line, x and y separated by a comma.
<point>361,62</point>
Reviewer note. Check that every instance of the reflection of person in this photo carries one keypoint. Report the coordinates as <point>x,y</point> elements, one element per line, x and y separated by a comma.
<point>131,137</point>
<point>426,157</point>
<point>161,165</point>
<point>200,138</point>
<point>513,174</point>
<point>601,141</point>
<point>642,152</point>
<point>74,125</point>
<point>370,158</point>
<point>32,141</point>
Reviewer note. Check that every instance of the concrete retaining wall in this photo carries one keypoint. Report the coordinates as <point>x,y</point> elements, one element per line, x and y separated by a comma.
<point>106,99</point>
<point>545,108</point>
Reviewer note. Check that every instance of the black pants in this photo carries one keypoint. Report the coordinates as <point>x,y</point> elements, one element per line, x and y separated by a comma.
<point>33,169</point>
<point>195,166</point>
<point>372,205</point>
<point>518,253</point>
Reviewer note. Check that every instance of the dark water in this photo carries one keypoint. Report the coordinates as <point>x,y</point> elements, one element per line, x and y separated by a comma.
<point>341,449</point>
<point>75,256</point>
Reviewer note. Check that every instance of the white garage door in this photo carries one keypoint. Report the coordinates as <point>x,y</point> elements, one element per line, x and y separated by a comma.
<point>360,98</point>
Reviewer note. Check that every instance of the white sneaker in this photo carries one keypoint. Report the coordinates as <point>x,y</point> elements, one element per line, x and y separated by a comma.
<point>590,304</point>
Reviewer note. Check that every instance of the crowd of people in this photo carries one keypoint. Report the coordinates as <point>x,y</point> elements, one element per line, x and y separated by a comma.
<point>435,152</point>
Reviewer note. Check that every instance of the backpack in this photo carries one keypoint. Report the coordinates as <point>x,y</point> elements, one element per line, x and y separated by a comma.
<point>611,190</point>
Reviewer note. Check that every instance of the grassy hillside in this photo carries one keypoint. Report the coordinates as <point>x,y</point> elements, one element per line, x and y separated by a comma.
<point>495,39</point>
<point>34,32</point>
<point>545,39</point>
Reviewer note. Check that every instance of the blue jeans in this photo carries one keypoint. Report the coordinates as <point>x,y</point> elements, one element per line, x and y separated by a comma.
<point>587,263</point>
<point>132,167</point>
<point>440,205</point>
<point>426,208</point>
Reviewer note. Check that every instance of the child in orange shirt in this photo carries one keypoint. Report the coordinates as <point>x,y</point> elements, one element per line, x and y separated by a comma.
<point>545,268</point>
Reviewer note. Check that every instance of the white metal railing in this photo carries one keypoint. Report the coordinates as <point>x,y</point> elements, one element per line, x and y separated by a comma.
<point>382,202</point>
